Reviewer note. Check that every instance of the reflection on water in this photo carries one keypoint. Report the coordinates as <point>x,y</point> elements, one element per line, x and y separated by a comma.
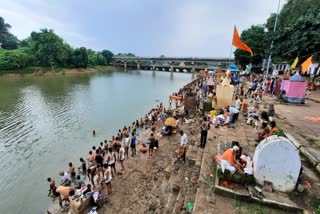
<point>46,122</point>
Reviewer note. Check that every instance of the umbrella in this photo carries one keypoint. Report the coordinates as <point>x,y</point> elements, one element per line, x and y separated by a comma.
<point>170,121</point>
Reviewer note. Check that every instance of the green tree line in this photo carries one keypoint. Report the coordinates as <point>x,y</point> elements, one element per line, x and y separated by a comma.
<point>45,49</point>
<point>297,34</point>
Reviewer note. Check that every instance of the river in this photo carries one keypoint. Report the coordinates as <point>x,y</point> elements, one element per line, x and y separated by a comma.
<point>46,122</point>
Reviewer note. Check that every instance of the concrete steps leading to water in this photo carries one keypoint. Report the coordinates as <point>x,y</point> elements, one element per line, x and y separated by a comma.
<point>204,199</point>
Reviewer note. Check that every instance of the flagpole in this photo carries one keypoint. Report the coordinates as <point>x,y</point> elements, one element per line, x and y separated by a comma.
<point>274,30</point>
<point>230,53</point>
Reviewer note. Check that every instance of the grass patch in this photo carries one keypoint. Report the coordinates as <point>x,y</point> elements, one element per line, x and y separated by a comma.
<point>102,67</point>
<point>311,140</point>
<point>27,70</point>
<point>41,70</point>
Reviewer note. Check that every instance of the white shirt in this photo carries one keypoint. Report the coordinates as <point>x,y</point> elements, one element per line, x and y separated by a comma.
<point>121,151</point>
<point>66,177</point>
<point>238,104</point>
<point>126,141</point>
<point>233,110</point>
<point>184,140</point>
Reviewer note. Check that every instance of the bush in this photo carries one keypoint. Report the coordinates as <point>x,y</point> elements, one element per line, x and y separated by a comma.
<point>12,60</point>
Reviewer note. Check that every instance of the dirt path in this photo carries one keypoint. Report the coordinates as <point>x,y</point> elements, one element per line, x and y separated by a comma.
<point>157,184</point>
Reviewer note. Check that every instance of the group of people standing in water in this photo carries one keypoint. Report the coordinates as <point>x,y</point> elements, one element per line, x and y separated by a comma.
<point>100,165</point>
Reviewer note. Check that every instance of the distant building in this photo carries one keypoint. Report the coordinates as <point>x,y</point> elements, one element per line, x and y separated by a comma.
<point>279,67</point>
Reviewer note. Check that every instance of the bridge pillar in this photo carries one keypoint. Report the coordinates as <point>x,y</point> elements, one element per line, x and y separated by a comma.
<point>171,68</point>
<point>125,65</point>
<point>153,67</point>
<point>193,69</point>
<point>138,65</point>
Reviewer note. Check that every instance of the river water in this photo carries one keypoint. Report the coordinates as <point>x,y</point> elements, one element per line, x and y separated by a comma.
<point>46,122</point>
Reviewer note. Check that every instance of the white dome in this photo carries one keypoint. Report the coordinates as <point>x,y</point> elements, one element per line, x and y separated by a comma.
<point>277,160</point>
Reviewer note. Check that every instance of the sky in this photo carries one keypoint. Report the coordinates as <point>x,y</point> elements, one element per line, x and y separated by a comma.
<point>180,28</point>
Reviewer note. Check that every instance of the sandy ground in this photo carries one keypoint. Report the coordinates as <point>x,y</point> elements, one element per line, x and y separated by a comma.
<point>152,184</point>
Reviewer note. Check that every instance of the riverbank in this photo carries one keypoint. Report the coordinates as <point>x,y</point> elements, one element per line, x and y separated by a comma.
<point>138,174</point>
<point>39,71</point>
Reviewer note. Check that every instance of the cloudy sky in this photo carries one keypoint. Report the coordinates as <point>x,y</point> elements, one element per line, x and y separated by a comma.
<point>143,27</point>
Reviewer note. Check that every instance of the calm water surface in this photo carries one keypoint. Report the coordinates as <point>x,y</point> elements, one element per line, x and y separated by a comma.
<point>46,122</point>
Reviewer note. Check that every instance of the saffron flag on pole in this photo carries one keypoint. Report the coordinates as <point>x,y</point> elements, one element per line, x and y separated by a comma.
<point>236,41</point>
<point>306,64</point>
<point>294,64</point>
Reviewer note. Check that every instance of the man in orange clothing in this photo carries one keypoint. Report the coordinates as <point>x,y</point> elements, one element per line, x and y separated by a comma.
<point>65,192</point>
<point>228,159</point>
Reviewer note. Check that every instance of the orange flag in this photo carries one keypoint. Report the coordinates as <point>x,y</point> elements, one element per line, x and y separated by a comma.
<point>306,64</point>
<point>236,41</point>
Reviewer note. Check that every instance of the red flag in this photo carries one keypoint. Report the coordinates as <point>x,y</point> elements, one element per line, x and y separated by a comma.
<point>236,41</point>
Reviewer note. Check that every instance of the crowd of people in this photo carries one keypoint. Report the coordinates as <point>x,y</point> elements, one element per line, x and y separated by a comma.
<point>247,98</point>
<point>100,167</point>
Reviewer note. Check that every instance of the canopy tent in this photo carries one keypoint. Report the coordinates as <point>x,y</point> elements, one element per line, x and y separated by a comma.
<point>233,68</point>
<point>295,89</point>
<point>296,77</point>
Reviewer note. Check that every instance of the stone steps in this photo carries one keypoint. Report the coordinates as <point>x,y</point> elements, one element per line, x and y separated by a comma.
<point>177,200</point>
<point>204,199</point>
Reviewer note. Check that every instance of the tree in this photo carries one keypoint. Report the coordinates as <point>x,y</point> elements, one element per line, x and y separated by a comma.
<point>96,59</point>
<point>108,55</point>
<point>294,9</point>
<point>92,60</point>
<point>255,37</point>
<point>8,40</point>
<point>101,60</point>
<point>300,37</point>
<point>79,58</point>
<point>49,49</point>
<point>126,55</point>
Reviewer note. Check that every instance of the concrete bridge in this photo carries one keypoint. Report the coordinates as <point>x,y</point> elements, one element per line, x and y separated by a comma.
<point>179,64</point>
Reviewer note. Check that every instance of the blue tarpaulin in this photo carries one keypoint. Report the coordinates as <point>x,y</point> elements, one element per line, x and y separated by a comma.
<point>233,68</point>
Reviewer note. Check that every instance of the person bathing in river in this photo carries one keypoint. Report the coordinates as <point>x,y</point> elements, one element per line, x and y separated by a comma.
<point>66,180</point>
<point>153,128</point>
<point>80,182</point>
<point>91,173</point>
<point>106,147</point>
<point>133,144</point>
<point>99,161</point>
<point>126,144</point>
<point>52,185</point>
<point>66,192</point>
<point>151,145</point>
<point>91,158</point>
<point>122,157</point>
<point>108,178</point>
<point>83,166</point>
<point>117,146</point>
<point>72,170</point>
<point>112,160</point>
